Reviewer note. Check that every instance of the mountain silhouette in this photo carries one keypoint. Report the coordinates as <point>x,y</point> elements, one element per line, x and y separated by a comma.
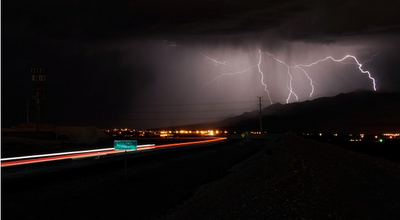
<point>355,112</point>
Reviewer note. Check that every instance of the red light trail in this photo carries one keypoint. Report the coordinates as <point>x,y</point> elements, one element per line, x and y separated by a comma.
<point>6,162</point>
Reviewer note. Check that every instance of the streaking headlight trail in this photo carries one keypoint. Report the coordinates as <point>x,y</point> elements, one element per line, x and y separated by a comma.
<point>13,161</point>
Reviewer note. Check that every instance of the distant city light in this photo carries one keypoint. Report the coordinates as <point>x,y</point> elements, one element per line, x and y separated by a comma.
<point>392,135</point>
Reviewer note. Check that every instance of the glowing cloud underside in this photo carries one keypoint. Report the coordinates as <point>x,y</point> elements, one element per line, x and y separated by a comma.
<point>301,67</point>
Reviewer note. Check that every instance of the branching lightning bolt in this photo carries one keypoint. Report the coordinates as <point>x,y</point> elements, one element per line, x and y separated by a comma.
<point>262,77</point>
<point>289,84</point>
<point>301,67</point>
<point>370,59</point>
<point>218,78</point>
<point>258,65</point>
<point>341,60</point>
<point>216,62</point>
<point>309,78</point>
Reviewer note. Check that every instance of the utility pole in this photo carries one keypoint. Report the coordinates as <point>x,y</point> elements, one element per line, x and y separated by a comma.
<point>259,106</point>
<point>27,111</point>
<point>38,77</point>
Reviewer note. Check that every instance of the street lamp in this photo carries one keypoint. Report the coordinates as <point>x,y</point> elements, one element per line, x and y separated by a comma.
<point>38,77</point>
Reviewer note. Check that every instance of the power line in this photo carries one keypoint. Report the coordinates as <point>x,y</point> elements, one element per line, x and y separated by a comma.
<point>114,117</point>
<point>172,112</point>
<point>186,104</point>
<point>260,105</point>
<point>172,119</point>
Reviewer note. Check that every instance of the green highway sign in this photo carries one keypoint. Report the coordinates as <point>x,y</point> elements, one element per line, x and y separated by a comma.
<point>125,145</point>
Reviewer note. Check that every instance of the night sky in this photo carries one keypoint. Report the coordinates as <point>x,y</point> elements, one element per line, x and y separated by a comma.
<point>154,63</point>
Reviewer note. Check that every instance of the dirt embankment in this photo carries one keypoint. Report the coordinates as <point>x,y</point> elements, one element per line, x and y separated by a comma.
<point>304,179</point>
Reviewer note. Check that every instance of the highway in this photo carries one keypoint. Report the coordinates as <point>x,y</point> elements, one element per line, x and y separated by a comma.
<point>107,187</point>
<point>97,153</point>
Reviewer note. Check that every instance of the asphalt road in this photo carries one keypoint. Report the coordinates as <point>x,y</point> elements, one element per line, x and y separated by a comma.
<point>98,188</point>
<point>100,152</point>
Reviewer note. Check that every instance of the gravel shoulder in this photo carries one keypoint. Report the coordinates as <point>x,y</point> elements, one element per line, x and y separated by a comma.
<point>297,178</point>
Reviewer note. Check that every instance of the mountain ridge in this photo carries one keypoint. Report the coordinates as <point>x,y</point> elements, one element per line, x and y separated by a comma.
<point>358,111</point>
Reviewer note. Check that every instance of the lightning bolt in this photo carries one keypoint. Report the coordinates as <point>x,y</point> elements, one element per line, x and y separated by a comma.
<point>262,77</point>
<point>258,65</point>
<point>341,60</point>
<point>218,78</point>
<point>301,67</point>
<point>309,78</point>
<point>289,84</point>
<point>216,62</point>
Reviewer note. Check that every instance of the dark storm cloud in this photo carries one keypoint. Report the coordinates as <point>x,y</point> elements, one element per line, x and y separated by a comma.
<point>126,19</point>
<point>114,52</point>
<point>114,19</point>
<point>111,19</point>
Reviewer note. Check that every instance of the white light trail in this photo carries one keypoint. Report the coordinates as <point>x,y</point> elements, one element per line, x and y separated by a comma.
<point>143,146</point>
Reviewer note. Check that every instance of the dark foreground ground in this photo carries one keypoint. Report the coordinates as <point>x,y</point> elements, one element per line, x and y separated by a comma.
<point>285,177</point>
